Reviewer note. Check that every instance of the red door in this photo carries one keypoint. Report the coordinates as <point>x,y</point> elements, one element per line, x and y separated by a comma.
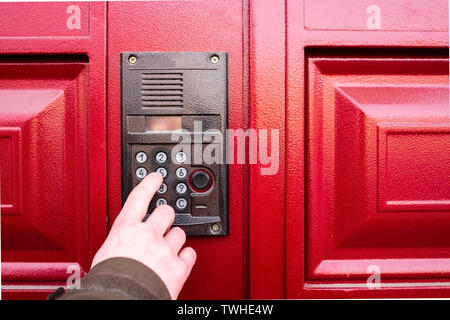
<point>61,175</point>
<point>53,143</point>
<point>358,91</point>
<point>367,183</point>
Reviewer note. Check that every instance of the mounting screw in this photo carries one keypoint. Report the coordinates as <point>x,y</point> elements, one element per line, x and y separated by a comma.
<point>132,59</point>
<point>214,59</point>
<point>215,227</point>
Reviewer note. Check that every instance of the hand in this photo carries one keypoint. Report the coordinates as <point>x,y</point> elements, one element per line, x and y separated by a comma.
<point>150,242</point>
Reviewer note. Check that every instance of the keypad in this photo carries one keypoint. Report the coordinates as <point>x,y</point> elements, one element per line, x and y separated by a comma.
<point>175,189</point>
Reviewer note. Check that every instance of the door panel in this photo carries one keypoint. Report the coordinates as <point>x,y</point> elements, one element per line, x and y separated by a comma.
<point>366,149</point>
<point>378,168</point>
<point>53,143</point>
<point>44,138</point>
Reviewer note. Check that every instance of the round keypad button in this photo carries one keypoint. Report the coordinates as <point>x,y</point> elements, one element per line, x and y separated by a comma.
<point>181,173</point>
<point>200,180</point>
<point>181,188</point>
<point>141,157</point>
<point>161,201</point>
<point>181,203</point>
<point>162,171</point>
<point>181,157</point>
<point>161,157</point>
<point>162,189</point>
<point>141,173</point>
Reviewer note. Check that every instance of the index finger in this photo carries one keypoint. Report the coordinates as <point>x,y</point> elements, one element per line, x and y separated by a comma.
<point>139,198</point>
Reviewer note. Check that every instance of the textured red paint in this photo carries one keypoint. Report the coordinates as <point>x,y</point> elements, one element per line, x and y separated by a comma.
<point>331,181</point>
<point>187,26</point>
<point>267,98</point>
<point>53,95</point>
<point>302,67</point>
<point>355,167</point>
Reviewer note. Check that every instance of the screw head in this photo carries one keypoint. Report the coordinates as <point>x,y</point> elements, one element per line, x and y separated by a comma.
<point>214,59</point>
<point>132,59</point>
<point>215,227</point>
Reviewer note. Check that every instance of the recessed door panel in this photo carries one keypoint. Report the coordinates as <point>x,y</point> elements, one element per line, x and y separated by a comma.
<point>44,174</point>
<point>378,172</point>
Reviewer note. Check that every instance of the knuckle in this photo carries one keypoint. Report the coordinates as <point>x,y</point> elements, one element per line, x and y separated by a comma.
<point>166,251</point>
<point>179,233</point>
<point>151,232</point>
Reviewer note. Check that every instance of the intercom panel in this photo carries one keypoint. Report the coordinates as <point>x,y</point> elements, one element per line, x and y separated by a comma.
<point>174,120</point>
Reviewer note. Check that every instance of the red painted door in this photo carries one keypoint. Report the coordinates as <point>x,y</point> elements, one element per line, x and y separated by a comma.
<point>61,172</point>
<point>367,183</point>
<point>221,268</point>
<point>53,143</point>
<point>358,91</point>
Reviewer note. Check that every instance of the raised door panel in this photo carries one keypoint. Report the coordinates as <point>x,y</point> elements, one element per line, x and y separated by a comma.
<point>44,171</point>
<point>378,169</point>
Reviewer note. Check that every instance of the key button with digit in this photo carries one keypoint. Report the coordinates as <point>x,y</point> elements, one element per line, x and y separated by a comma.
<point>141,157</point>
<point>181,157</point>
<point>181,173</point>
<point>161,201</point>
<point>161,157</point>
<point>162,171</point>
<point>181,188</point>
<point>162,189</point>
<point>141,173</point>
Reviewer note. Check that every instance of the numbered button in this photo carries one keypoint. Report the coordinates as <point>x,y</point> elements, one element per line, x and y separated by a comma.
<point>141,173</point>
<point>181,203</point>
<point>181,173</point>
<point>162,189</point>
<point>161,201</point>
<point>141,157</point>
<point>181,188</point>
<point>161,157</point>
<point>181,157</point>
<point>162,171</point>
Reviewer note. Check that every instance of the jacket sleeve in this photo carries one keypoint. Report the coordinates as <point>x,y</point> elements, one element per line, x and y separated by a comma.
<point>117,279</point>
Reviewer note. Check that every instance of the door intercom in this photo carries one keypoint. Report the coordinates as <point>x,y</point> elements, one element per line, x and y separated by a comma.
<point>174,117</point>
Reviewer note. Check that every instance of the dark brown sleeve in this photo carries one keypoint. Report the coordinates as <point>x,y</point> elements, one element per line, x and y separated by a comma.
<point>117,279</point>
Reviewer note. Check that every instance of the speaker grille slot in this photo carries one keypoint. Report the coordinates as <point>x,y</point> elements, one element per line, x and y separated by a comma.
<point>162,89</point>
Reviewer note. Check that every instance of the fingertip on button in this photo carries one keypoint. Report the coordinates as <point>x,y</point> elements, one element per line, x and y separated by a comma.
<point>156,175</point>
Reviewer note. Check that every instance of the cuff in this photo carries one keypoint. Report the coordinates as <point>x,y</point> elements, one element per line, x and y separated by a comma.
<point>123,278</point>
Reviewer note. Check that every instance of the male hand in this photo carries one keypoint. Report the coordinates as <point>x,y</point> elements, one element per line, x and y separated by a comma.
<point>150,242</point>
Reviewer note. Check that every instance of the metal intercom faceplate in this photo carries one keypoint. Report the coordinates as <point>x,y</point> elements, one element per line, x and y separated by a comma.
<point>174,118</point>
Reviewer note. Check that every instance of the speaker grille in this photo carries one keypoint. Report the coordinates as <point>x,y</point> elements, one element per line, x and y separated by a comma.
<point>162,89</point>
